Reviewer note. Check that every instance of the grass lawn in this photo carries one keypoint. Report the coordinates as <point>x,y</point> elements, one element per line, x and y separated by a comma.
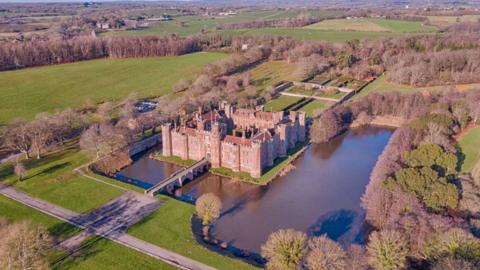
<point>372,25</point>
<point>470,145</point>
<point>100,253</point>
<point>313,106</point>
<point>170,227</point>
<point>301,91</point>
<point>278,104</point>
<point>15,211</point>
<point>174,159</point>
<point>381,85</point>
<point>272,73</point>
<point>30,91</point>
<point>52,179</point>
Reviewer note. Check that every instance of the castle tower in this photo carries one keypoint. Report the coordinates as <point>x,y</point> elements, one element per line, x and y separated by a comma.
<point>302,127</point>
<point>167,139</point>
<point>216,146</point>
<point>257,159</point>
<point>282,130</point>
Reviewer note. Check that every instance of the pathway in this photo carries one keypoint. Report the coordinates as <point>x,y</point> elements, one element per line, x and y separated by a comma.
<point>110,221</point>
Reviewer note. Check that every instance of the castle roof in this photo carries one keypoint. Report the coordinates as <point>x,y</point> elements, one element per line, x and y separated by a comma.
<point>237,140</point>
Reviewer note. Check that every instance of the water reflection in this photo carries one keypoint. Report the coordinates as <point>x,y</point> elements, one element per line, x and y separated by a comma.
<point>322,195</point>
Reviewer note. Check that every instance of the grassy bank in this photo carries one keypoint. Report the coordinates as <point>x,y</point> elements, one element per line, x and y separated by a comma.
<point>280,103</point>
<point>272,73</point>
<point>170,227</point>
<point>30,91</point>
<point>52,179</point>
<point>373,25</point>
<point>316,105</point>
<point>174,159</point>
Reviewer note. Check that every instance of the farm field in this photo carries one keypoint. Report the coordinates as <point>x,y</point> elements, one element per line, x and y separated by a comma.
<point>443,21</point>
<point>271,73</point>
<point>312,34</point>
<point>470,145</point>
<point>381,85</point>
<point>52,179</point>
<point>372,25</point>
<point>170,227</point>
<point>314,106</point>
<point>30,91</point>
<point>280,103</point>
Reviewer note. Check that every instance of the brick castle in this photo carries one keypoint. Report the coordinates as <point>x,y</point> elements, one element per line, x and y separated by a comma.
<point>243,140</point>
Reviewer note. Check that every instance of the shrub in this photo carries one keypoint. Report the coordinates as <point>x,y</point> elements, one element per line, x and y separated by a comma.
<point>284,249</point>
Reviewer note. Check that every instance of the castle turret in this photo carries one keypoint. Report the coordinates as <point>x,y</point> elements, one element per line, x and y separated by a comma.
<point>282,130</point>
<point>167,139</point>
<point>302,132</point>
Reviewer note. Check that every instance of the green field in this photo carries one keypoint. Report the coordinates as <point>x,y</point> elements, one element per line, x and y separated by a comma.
<point>373,25</point>
<point>15,211</point>
<point>196,24</point>
<point>381,85</point>
<point>52,179</point>
<point>470,145</point>
<point>316,105</point>
<point>311,34</point>
<point>30,91</point>
<point>280,103</point>
<point>100,253</point>
<point>272,73</point>
<point>169,227</point>
<point>442,21</point>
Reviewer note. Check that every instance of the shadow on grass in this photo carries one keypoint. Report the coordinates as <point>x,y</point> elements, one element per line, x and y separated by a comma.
<point>63,230</point>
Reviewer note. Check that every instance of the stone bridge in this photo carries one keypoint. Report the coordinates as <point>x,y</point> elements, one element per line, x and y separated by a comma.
<point>178,178</point>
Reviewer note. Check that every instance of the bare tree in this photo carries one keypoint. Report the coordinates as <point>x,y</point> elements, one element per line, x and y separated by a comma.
<point>41,133</point>
<point>325,254</point>
<point>284,249</point>
<point>24,245</point>
<point>387,250</point>
<point>18,137</point>
<point>208,207</point>
<point>20,171</point>
<point>356,258</point>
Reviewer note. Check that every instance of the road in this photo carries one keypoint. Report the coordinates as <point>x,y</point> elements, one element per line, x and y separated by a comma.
<point>110,221</point>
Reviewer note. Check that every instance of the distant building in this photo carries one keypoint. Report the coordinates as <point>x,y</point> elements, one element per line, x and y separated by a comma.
<point>243,140</point>
<point>161,18</point>
<point>101,25</point>
<point>228,13</point>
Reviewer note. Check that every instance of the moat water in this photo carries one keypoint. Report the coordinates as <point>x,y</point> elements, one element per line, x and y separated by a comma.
<point>320,196</point>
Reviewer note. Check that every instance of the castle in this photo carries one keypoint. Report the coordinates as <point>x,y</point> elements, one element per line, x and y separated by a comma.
<point>243,140</point>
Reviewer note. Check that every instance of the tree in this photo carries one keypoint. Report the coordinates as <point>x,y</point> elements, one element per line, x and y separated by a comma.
<point>457,244</point>
<point>356,259</point>
<point>18,137</point>
<point>208,207</point>
<point>20,171</point>
<point>284,249</point>
<point>387,250</point>
<point>103,139</point>
<point>325,254</point>
<point>449,263</point>
<point>24,245</point>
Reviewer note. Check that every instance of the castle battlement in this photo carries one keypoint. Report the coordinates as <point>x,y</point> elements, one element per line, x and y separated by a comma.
<point>246,140</point>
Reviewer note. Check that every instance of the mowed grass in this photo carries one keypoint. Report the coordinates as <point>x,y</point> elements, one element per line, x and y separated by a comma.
<point>280,103</point>
<point>470,145</point>
<point>170,227</point>
<point>272,73</point>
<point>14,211</point>
<point>52,179</point>
<point>100,253</point>
<point>315,106</point>
<point>45,89</point>
<point>381,85</point>
<point>373,25</point>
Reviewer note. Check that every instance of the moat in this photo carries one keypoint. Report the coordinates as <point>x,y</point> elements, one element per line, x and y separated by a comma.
<point>321,196</point>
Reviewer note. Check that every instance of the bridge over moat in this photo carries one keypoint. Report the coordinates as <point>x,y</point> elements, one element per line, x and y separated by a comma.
<point>178,178</point>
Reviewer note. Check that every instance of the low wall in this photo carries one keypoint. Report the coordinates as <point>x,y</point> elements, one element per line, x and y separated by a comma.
<point>145,144</point>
